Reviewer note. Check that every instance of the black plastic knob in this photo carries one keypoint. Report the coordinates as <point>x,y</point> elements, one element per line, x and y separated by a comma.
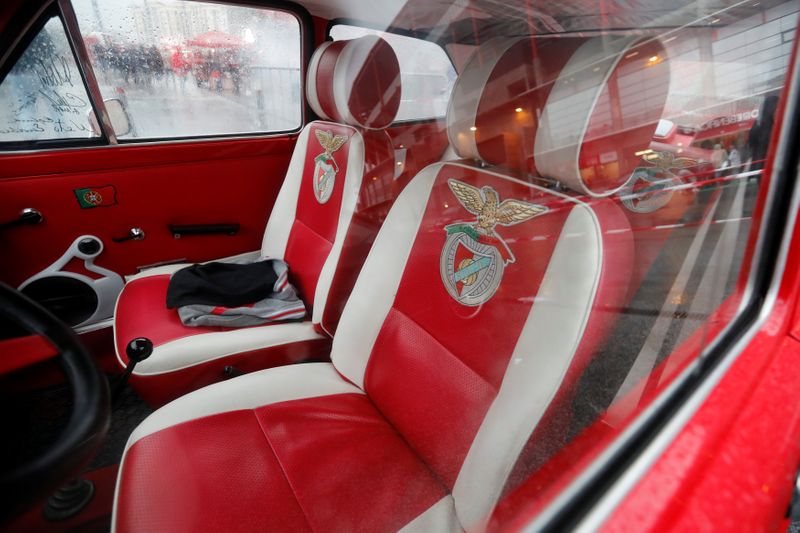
<point>139,349</point>
<point>89,246</point>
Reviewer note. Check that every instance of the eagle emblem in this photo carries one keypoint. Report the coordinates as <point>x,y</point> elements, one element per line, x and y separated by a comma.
<point>474,255</point>
<point>325,168</point>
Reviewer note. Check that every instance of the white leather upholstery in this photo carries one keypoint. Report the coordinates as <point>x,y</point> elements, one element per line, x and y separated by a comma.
<point>268,386</point>
<point>380,276</point>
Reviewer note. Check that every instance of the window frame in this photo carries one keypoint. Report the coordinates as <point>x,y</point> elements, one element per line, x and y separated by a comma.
<point>63,9</point>
<point>397,31</point>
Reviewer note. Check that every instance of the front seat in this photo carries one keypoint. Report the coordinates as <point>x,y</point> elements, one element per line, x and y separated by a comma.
<point>354,86</point>
<point>480,303</point>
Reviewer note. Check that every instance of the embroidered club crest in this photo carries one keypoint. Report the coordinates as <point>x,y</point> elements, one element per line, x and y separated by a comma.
<point>325,169</point>
<point>474,255</point>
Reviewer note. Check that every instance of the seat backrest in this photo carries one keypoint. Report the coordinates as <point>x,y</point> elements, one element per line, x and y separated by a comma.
<point>354,86</point>
<point>484,296</point>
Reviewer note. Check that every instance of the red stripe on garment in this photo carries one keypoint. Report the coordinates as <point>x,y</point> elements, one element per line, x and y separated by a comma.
<point>286,313</point>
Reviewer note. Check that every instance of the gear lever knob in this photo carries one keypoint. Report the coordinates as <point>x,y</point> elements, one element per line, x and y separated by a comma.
<point>139,349</point>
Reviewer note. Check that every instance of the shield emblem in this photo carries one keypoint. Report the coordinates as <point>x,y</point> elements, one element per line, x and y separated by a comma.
<point>325,169</point>
<point>474,255</point>
<point>324,178</point>
<point>471,271</point>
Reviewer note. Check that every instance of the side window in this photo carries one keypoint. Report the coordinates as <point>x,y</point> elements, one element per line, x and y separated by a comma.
<point>195,69</point>
<point>43,97</point>
<point>426,72</point>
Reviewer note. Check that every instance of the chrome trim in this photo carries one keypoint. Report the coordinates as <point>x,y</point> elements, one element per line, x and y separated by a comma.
<point>613,496</point>
<point>85,66</point>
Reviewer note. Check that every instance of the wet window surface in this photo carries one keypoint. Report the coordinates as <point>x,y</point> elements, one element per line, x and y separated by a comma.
<point>184,69</point>
<point>43,96</point>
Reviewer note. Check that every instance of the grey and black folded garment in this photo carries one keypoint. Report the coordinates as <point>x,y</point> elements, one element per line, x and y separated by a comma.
<point>234,295</point>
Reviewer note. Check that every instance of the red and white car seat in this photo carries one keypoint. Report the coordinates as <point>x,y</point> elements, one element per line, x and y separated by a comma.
<point>355,86</point>
<point>481,301</point>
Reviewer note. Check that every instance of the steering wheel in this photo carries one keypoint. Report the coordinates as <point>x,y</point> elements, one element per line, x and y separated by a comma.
<point>28,482</point>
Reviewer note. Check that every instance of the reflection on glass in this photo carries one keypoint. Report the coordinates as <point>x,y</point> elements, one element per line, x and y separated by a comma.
<point>690,204</point>
<point>426,72</point>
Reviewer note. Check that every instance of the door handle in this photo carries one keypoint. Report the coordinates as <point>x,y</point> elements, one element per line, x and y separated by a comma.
<point>27,217</point>
<point>135,234</point>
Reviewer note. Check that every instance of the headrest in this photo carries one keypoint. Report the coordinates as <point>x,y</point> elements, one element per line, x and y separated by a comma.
<point>356,82</point>
<point>572,109</point>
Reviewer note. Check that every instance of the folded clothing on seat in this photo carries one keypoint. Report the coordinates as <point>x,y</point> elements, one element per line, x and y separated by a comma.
<point>234,295</point>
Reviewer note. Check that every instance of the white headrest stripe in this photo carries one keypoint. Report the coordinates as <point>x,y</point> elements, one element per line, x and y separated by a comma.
<point>311,81</point>
<point>341,90</point>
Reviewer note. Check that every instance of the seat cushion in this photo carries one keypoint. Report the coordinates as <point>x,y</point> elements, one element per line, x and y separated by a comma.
<point>311,453</point>
<point>185,358</point>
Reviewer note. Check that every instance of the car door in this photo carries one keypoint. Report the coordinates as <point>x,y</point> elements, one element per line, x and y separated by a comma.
<point>196,129</point>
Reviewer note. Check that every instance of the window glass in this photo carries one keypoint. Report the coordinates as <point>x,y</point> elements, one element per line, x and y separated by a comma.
<point>43,96</point>
<point>690,205</point>
<point>425,70</point>
<point>184,69</point>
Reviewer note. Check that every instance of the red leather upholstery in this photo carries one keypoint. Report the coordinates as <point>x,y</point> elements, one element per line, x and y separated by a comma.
<point>480,303</point>
<point>429,373</point>
<point>141,312</point>
<point>314,227</point>
<point>320,226</point>
<point>279,455</point>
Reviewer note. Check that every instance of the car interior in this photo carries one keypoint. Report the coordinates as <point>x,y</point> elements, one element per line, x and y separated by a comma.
<point>495,234</point>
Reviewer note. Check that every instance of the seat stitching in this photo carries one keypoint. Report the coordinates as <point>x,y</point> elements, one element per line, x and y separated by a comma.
<point>419,457</point>
<point>283,469</point>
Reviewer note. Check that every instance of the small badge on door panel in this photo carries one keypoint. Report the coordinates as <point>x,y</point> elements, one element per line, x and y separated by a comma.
<point>325,169</point>
<point>89,197</point>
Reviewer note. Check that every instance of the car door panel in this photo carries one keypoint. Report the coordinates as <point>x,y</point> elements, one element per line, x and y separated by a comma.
<point>225,181</point>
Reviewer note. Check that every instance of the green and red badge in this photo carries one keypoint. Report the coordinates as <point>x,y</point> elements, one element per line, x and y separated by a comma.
<point>90,197</point>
